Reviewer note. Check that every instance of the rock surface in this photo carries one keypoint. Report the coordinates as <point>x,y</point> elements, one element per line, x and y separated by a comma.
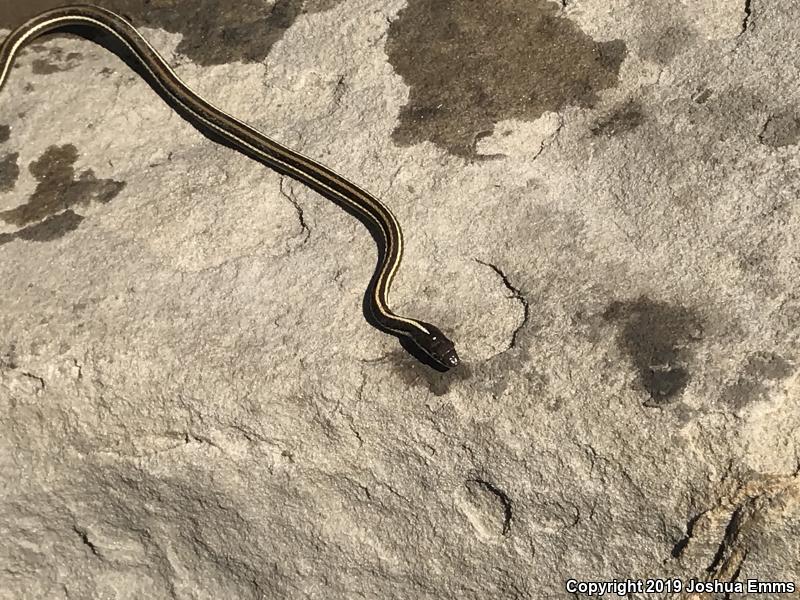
<point>600,205</point>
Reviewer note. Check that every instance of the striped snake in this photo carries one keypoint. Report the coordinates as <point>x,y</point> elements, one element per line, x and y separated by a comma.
<point>233,132</point>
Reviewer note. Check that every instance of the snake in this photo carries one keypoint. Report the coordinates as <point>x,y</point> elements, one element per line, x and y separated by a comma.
<point>378,218</point>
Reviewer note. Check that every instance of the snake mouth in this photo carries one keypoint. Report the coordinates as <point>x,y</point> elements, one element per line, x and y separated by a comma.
<point>450,360</point>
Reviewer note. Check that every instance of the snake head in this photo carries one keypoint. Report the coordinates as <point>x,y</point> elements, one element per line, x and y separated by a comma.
<point>436,345</point>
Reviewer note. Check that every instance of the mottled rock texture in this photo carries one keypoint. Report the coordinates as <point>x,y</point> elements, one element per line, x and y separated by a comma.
<point>600,201</point>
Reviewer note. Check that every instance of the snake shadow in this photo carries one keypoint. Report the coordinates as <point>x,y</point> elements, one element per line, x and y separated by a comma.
<point>113,45</point>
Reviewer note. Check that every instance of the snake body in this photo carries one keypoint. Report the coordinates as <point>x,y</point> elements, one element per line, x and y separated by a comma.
<point>426,337</point>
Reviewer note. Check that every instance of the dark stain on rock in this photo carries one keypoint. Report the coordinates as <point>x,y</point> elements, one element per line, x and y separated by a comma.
<point>664,46</point>
<point>9,171</point>
<point>58,189</point>
<point>657,337</point>
<point>702,95</point>
<point>781,129</point>
<point>761,372</point>
<point>55,60</point>
<point>625,118</point>
<point>42,67</point>
<point>214,31</point>
<point>470,64</point>
<point>51,228</point>
<point>5,133</point>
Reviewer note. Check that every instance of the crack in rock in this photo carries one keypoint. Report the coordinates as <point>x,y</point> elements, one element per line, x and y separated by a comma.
<point>549,140</point>
<point>299,209</point>
<point>727,554</point>
<point>733,526</point>
<point>516,294</point>
<point>678,549</point>
<point>30,382</point>
<point>488,509</point>
<point>504,500</point>
<point>84,535</point>
<point>748,13</point>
